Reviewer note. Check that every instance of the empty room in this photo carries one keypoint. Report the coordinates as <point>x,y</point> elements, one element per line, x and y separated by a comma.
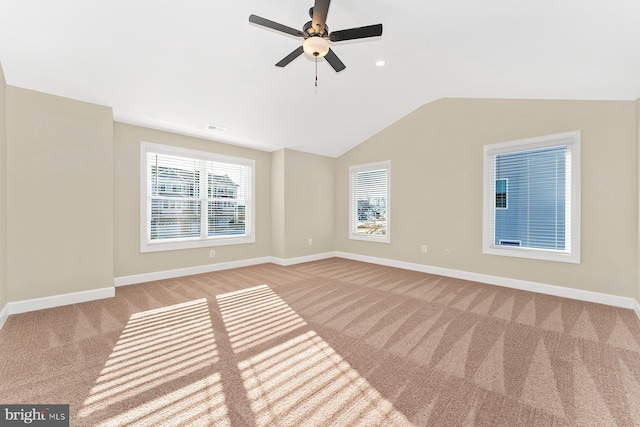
<point>319,214</point>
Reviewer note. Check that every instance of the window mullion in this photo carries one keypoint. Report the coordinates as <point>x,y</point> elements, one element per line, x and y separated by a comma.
<point>204,211</point>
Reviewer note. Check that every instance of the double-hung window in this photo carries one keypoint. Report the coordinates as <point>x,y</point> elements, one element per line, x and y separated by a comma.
<point>192,199</point>
<point>532,198</point>
<point>370,202</point>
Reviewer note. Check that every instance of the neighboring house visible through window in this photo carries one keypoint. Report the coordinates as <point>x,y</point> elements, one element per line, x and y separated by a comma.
<point>501,193</point>
<point>194,199</point>
<point>370,203</point>
<point>532,198</point>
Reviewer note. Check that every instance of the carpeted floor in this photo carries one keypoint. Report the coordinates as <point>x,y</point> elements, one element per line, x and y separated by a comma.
<point>333,342</point>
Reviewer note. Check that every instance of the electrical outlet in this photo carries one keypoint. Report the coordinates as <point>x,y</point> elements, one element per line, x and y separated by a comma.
<point>447,251</point>
<point>424,249</point>
<point>212,253</point>
<point>310,242</point>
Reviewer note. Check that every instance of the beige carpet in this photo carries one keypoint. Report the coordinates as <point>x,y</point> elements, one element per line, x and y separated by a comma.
<point>332,342</point>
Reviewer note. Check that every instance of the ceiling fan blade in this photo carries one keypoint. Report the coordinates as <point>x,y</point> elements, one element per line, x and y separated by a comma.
<point>275,26</point>
<point>293,55</point>
<point>334,61</point>
<point>356,33</point>
<point>319,19</point>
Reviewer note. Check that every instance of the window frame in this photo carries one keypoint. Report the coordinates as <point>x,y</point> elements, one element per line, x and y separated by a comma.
<point>571,254</point>
<point>147,245</point>
<point>353,209</point>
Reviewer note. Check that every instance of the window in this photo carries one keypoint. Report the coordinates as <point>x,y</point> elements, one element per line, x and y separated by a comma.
<point>370,202</point>
<point>532,198</point>
<point>193,199</point>
<point>501,193</point>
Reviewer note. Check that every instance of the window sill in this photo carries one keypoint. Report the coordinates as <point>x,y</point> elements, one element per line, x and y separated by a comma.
<point>531,253</point>
<point>377,239</point>
<point>194,244</point>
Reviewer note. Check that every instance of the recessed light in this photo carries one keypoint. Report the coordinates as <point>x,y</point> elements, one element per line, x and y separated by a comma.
<point>380,63</point>
<point>216,128</point>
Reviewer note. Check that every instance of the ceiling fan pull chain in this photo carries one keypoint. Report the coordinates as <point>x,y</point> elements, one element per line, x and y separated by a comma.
<point>316,71</point>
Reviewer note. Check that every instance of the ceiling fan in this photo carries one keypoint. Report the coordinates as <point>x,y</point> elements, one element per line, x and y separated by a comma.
<point>317,37</point>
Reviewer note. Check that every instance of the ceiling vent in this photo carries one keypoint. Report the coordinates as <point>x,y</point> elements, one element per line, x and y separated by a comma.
<point>216,128</point>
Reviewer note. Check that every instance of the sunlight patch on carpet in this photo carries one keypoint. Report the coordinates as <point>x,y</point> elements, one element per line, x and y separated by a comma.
<point>290,374</point>
<point>171,349</point>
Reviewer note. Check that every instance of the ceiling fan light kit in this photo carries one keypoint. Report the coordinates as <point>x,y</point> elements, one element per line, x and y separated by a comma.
<point>315,46</point>
<point>317,37</point>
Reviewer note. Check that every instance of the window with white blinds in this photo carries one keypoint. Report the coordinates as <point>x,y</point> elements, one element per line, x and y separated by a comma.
<point>194,199</point>
<point>532,198</point>
<point>370,205</point>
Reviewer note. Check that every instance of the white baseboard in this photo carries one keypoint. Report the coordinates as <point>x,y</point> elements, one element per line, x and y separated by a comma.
<point>559,291</point>
<point>180,272</point>
<point>95,294</point>
<point>4,315</point>
<point>299,260</point>
<point>58,300</point>
<point>189,271</point>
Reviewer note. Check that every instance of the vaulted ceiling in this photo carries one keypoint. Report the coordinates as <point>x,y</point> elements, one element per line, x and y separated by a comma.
<point>184,65</point>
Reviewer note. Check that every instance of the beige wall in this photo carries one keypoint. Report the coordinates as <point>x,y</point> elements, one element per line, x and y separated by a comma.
<point>67,167</point>
<point>436,155</point>
<point>309,204</point>
<point>59,195</point>
<point>3,190</point>
<point>128,259</point>
<point>278,243</point>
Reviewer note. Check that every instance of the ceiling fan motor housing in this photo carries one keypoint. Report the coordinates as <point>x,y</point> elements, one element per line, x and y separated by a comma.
<point>308,29</point>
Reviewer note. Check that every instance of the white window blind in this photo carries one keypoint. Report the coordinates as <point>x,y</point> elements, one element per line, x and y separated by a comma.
<point>532,198</point>
<point>370,202</point>
<point>194,199</point>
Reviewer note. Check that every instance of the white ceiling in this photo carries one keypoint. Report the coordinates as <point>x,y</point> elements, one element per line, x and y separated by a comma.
<point>184,64</point>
